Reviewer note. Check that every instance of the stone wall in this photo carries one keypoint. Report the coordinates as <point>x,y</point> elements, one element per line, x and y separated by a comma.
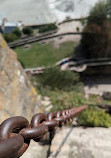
<point>17,96</point>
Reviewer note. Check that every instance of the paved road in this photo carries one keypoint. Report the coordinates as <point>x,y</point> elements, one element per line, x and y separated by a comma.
<point>97,85</point>
<point>82,143</point>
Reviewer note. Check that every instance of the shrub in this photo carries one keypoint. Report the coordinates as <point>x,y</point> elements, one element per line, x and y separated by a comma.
<point>57,79</point>
<point>63,88</point>
<point>46,28</point>
<point>93,117</point>
<point>96,43</point>
<point>10,37</point>
<point>83,21</point>
<point>98,14</point>
<point>64,99</point>
<point>77,29</point>
<point>67,18</point>
<point>17,32</point>
<point>28,30</point>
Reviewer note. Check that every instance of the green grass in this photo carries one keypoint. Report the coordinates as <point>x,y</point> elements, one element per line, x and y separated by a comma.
<point>96,100</point>
<point>64,89</point>
<point>43,55</point>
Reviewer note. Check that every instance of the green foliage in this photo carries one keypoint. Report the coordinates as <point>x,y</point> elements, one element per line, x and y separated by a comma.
<point>93,117</point>
<point>67,18</point>
<point>98,13</point>
<point>83,21</point>
<point>62,87</point>
<point>78,29</point>
<point>61,99</point>
<point>64,99</point>
<point>46,28</point>
<point>10,37</point>
<point>44,55</point>
<point>27,30</point>
<point>96,43</point>
<point>17,32</point>
<point>57,79</point>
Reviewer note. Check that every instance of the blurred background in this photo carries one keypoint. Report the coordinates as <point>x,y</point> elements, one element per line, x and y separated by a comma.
<point>56,55</point>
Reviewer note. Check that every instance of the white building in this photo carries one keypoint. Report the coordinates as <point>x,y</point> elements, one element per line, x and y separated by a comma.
<point>8,27</point>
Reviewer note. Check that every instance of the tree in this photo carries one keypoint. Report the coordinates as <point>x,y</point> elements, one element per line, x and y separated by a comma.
<point>27,30</point>
<point>48,27</point>
<point>98,14</point>
<point>17,32</point>
<point>96,40</point>
<point>10,37</point>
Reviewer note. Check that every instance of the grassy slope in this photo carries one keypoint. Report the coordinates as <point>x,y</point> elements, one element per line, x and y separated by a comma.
<point>44,55</point>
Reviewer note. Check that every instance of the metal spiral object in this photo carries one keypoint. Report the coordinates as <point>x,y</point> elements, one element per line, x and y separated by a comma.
<point>16,132</point>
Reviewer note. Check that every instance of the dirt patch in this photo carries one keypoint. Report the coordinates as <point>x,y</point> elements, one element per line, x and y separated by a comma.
<point>68,38</point>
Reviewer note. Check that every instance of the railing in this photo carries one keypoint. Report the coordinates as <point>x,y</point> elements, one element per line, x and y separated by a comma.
<point>38,39</point>
<point>16,132</point>
<point>73,65</point>
<point>25,40</point>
